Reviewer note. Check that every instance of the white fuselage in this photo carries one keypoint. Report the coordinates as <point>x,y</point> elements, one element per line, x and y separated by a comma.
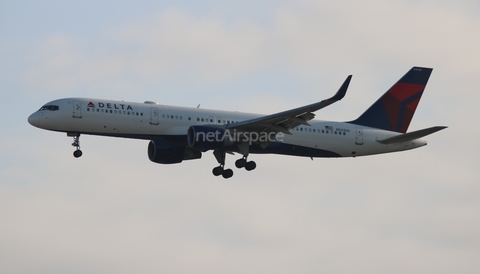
<point>152,121</point>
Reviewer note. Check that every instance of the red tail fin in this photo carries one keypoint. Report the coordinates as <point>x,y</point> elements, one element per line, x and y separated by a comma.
<point>394,110</point>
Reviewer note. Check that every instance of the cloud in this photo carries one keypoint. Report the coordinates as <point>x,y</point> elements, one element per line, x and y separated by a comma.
<point>170,46</point>
<point>304,48</point>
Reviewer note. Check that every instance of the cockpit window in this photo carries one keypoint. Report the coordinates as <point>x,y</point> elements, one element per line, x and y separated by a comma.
<point>49,107</point>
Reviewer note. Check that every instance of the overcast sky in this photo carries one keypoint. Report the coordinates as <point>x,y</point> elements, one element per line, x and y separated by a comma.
<point>114,211</point>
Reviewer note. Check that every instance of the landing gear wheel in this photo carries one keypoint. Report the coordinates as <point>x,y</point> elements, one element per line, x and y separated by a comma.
<point>217,171</point>
<point>76,143</point>
<point>77,153</point>
<point>250,165</point>
<point>227,173</point>
<point>220,156</point>
<point>240,163</point>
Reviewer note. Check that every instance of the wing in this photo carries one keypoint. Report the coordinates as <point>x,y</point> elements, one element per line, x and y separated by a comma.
<point>286,120</point>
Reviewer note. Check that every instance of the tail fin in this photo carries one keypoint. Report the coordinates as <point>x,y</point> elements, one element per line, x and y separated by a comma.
<point>395,109</point>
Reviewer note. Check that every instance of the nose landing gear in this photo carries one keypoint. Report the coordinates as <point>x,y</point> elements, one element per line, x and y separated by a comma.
<point>76,143</point>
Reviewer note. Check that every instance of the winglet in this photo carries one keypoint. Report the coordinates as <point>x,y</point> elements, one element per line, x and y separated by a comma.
<point>342,90</point>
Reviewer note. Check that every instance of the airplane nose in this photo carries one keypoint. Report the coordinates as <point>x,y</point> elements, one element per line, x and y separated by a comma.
<point>34,119</point>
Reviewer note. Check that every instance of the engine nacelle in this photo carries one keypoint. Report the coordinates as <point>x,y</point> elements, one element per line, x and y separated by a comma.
<point>207,137</point>
<point>165,153</point>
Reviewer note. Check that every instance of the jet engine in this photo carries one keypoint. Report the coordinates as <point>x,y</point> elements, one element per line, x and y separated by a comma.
<point>165,153</point>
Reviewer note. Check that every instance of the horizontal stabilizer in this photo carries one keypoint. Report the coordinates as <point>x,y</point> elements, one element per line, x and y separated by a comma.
<point>410,136</point>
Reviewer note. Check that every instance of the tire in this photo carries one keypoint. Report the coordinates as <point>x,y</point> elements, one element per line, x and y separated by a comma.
<point>217,171</point>
<point>77,153</point>
<point>240,163</point>
<point>250,165</point>
<point>227,173</point>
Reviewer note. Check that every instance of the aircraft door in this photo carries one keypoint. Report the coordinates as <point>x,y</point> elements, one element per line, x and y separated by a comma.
<point>77,109</point>
<point>359,136</point>
<point>154,116</point>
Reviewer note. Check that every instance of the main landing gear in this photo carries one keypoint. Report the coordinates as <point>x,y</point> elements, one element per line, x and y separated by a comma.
<point>227,173</point>
<point>76,143</point>
<point>220,170</point>
<point>242,162</point>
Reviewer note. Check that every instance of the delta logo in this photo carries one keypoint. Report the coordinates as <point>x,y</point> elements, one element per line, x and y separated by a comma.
<point>111,106</point>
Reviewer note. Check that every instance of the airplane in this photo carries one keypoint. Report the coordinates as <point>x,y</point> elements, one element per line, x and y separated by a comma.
<point>177,133</point>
